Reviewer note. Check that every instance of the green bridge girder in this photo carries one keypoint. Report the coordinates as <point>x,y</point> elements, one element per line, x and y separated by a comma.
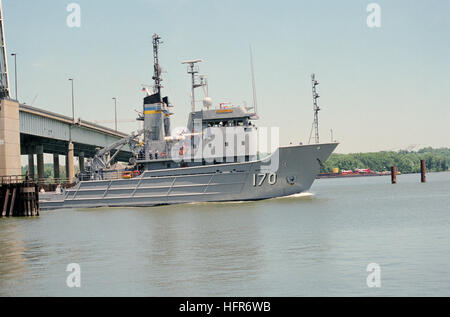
<point>53,131</point>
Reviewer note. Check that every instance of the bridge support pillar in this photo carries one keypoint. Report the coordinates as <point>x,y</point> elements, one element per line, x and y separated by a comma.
<point>67,166</point>
<point>56,166</point>
<point>9,138</point>
<point>81,161</point>
<point>31,165</point>
<point>40,161</point>
<point>70,174</point>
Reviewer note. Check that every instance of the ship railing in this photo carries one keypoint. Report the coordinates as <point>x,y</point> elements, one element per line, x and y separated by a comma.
<point>111,175</point>
<point>108,175</point>
<point>154,156</point>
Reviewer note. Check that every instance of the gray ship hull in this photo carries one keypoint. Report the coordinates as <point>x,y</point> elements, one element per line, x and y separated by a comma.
<point>297,169</point>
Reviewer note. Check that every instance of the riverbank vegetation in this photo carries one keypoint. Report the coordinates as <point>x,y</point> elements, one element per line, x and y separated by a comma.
<point>437,160</point>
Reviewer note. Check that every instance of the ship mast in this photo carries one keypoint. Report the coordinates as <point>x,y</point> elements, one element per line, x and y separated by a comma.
<point>157,69</point>
<point>255,104</point>
<point>316,109</point>
<point>193,69</point>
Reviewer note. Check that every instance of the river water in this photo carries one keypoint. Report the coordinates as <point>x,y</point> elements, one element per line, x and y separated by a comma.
<point>315,244</point>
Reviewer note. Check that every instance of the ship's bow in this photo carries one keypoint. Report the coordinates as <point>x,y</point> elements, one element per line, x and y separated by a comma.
<point>299,165</point>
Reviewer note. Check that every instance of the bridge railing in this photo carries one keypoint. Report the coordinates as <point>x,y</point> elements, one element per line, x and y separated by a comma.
<point>15,179</point>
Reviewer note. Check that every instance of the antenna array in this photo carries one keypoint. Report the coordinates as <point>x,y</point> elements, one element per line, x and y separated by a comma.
<point>316,109</point>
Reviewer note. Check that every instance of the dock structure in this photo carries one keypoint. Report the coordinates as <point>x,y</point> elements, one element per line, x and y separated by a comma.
<point>19,197</point>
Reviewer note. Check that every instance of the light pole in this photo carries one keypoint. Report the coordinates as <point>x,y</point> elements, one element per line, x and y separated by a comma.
<point>15,71</point>
<point>73,103</point>
<point>115,111</point>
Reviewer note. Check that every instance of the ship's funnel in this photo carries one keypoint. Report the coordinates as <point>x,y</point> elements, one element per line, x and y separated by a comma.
<point>154,117</point>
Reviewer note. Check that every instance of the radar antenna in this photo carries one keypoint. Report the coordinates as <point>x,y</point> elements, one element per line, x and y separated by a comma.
<point>193,69</point>
<point>316,109</point>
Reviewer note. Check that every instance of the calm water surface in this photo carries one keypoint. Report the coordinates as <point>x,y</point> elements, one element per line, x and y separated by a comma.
<point>317,244</point>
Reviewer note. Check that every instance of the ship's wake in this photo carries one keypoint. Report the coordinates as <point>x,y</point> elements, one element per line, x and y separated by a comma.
<point>293,196</point>
<point>299,195</point>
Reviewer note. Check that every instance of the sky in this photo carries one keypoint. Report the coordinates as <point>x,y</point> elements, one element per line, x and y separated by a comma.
<point>381,88</point>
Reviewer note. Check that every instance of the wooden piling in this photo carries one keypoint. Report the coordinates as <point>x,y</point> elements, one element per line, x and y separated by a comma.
<point>394,174</point>
<point>423,170</point>
<point>13,201</point>
<point>18,197</point>
<point>5,203</point>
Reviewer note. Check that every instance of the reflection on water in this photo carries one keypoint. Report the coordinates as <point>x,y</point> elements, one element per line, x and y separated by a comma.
<point>191,250</point>
<point>13,263</point>
<point>316,243</point>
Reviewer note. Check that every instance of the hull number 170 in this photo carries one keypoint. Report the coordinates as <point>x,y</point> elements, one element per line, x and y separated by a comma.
<point>259,179</point>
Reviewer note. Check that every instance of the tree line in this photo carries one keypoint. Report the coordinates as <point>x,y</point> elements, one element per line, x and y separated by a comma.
<point>437,160</point>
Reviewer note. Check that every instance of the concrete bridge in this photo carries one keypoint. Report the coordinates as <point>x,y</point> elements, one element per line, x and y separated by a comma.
<point>26,130</point>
